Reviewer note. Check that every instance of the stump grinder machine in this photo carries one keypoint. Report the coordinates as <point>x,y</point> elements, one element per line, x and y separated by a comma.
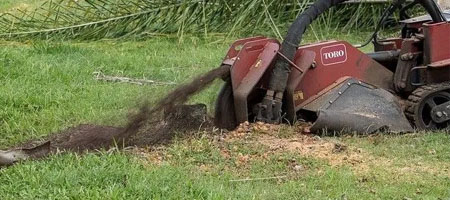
<point>403,85</point>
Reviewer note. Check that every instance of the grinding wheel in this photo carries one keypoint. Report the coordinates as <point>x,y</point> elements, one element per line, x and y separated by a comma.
<point>225,115</point>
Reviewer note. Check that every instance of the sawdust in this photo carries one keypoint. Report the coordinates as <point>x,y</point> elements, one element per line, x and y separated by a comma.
<point>300,142</point>
<point>271,142</point>
<point>335,153</point>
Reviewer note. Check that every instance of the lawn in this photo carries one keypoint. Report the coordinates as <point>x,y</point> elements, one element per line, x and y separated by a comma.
<point>50,86</point>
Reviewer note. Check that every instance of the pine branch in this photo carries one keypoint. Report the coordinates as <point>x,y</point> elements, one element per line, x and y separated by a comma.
<point>98,19</point>
<point>86,24</point>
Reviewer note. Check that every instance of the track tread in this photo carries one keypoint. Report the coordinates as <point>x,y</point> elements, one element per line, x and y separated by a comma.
<point>420,93</point>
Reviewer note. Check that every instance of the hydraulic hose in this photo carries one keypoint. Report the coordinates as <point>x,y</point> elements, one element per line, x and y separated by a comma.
<point>270,108</point>
<point>433,9</point>
<point>290,44</point>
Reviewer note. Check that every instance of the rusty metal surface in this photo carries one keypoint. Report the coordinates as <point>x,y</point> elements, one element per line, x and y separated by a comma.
<point>388,44</point>
<point>437,75</point>
<point>409,55</point>
<point>359,107</point>
<point>320,68</point>
<point>353,63</point>
<point>247,58</point>
<point>251,64</point>
<point>442,63</point>
<point>237,46</point>
<point>304,62</point>
<point>437,42</point>
<point>315,102</point>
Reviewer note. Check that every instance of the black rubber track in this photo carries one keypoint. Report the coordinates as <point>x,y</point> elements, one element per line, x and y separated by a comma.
<point>415,100</point>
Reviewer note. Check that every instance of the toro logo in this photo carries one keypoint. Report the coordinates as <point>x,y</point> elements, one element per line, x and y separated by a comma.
<point>334,54</point>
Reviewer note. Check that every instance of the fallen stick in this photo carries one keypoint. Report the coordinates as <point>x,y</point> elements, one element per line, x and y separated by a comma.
<point>10,157</point>
<point>258,179</point>
<point>99,76</point>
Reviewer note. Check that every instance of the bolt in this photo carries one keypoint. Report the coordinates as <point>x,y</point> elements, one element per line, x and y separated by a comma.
<point>407,56</point>
<point>439,114</point>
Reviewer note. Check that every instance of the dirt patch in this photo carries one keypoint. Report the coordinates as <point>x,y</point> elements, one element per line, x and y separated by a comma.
<point>150,125</point>
<point>273,141</point>
<point>334,152</point>
<point>77,139</point>
<point>276,140</point>
<point>301,142</point>
<point>85,137</point>
<point>89,137</point>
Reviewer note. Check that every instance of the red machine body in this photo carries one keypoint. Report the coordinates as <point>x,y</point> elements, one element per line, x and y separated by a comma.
<point>406,64</point>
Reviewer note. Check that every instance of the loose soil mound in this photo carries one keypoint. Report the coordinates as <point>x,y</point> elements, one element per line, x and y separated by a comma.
<point>149,126</point>
<point>85,137</point>
<point>89,137</point>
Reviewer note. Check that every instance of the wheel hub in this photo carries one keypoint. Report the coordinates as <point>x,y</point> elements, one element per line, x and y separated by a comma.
<point>428,108</point>
<point>428,114</point>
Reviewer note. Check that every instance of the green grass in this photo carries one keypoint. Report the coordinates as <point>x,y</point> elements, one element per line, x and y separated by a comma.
<point>123,176</point>
<point>117,176</point>
<point>6,5</point>
<point>46,87</point>
<point>49,86</point>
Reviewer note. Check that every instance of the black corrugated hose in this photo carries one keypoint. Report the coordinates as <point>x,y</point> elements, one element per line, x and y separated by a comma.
<point>290,44</point>
<point>270,108</point>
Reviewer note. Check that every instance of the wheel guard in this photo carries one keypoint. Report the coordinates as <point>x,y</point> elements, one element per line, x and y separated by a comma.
<point>354,106</point>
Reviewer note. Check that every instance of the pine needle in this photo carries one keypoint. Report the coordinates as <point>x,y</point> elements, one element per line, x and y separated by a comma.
<point>98,19</point>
